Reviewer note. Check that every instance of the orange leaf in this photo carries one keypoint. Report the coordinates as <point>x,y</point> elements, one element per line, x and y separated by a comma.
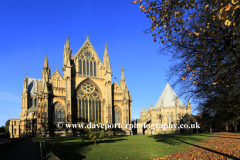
<point>214,83</point>
<point>196,33</point>
<point>194,82</point>
<point>185,29</point>
<point>228,7</point>
<point>183,78</point>
<point>135,2</point>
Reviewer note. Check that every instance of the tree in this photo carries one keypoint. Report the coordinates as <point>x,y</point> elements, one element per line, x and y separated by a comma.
<point>203,39</point>
<point>7,125</point>
<point>2,129</point>
<point>92,131</point>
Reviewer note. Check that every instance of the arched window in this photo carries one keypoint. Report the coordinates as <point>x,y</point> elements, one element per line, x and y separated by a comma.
<point>167,118</point>
<point>58,113</point>
<point>87,67</point>
<point>117,114</point>
<point>87,64</point>
<point>172,118</point>
<point>88,103</point>
<point>95,72</point>
<point>84,72</point>
<point>36,102</point>
<point>80,67</point>
<point>91,73</point>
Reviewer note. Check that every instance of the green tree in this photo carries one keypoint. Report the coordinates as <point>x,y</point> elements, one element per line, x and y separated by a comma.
<point>2,129</point>
<point>92,132</point>
<point>7,125</point>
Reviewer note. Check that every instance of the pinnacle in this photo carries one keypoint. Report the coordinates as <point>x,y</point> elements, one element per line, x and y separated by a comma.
<point>106,50</point>
<point>67,42</point>
<point>45,62</point>
<point>122,77</point>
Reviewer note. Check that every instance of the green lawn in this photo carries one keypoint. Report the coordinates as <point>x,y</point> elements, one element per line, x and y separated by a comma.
<point>120,147</point>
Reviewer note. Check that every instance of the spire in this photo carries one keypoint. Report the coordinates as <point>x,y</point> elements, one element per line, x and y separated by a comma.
<point>130,97</point>
<point>25,83</point>
<point>67,42</point>
<point>188,104</point>
<point>45,66</point>
<point>122,76</point>
<point>106,60</point>
<point>46,70</point>
<point>151,106</point>
<point>66,54</point>
<point>106,50</point>
<point>123,83</point>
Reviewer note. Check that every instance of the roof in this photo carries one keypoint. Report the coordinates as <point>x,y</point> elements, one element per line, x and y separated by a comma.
<point>168,97</point>
<point>32,109</point>
<point>32,85</point>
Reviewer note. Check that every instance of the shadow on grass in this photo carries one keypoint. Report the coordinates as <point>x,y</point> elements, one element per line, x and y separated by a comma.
<point>67,148</point>
<point>178,139</point>
<point>174,139</point>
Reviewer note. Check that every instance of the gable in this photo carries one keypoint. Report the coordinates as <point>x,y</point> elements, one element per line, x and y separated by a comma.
<point>56,75</point>
<point>87,46</point>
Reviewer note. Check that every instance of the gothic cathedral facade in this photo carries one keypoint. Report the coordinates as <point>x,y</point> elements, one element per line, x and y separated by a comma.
<point>84,93</point>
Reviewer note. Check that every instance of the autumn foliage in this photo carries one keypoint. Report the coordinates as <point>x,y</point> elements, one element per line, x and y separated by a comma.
<point>219,146</point>
<point>202,38</point>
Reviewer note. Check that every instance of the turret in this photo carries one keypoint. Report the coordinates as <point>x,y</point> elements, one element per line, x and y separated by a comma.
<point>106,60</point>
<point>45,75</point>
<point>123,83</point>
<point>66,54</point>
<point>188,105</point>
<point>25,84</point>
<point>151,106</point>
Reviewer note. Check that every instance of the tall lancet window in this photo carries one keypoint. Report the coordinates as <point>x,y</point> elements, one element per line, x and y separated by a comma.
<point>95,72</point>
<point>117,114</point>
<point>167,118</point>
<point>89,106</point>
<point>87,67</point>
<point>57,113</point>
<point>87,64</point>
<point>91,73</point>
<point>171,118</point>
<point>84,71</point>
<point>80,67</point>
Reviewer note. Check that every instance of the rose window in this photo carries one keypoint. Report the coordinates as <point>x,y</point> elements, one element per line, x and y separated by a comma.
<point>87,87</point>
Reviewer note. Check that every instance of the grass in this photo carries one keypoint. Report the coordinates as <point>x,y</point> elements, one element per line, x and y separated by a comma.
<point>120,147</point>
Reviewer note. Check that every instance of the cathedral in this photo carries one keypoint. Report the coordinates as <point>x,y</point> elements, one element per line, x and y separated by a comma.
<point>85,93</point>
<point>169,109</point>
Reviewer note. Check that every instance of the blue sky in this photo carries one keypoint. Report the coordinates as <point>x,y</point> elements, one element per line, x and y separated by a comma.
<point>31,29</point>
